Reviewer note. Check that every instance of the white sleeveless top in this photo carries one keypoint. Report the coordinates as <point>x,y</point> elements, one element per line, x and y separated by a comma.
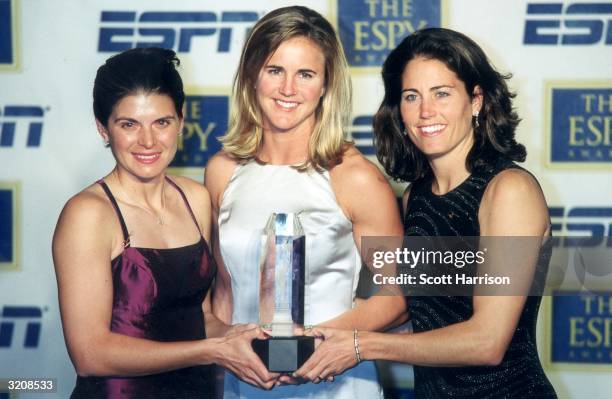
<point>253,193</point>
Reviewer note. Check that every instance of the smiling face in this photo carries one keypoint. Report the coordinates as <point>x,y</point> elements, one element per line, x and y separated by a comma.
<point>437,110</point>
<point>290,86</point>
<point>142,131</point>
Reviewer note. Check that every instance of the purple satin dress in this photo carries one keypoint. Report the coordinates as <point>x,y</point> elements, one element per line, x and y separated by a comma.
<point>157,295</point>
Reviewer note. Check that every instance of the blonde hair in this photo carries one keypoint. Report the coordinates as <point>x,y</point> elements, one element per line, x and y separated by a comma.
<point>245,133</point>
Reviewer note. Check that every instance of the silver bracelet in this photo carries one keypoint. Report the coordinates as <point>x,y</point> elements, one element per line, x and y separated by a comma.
<point>356,343</point>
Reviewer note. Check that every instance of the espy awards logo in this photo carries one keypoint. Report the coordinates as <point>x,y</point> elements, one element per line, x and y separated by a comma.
<point>579,117</point>
<point>8,35</point>
<point>370,29</point>
<point>581,328</point>
<point>9,221</point>
<point>206,118</point>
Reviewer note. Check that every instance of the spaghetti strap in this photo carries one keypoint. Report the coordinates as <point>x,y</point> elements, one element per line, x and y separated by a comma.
<point>111,197</point>
<point>176,186</point>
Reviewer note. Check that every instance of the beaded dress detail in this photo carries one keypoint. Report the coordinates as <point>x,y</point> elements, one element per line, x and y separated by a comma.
<point>520,374</point>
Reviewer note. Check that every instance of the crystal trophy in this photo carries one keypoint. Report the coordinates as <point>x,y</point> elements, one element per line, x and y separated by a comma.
<point>281,295</point>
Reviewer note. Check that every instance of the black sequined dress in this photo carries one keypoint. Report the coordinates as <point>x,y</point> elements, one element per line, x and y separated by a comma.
<point>520,374</point>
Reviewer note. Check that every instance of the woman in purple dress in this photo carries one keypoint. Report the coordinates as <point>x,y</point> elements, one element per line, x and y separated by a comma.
<point>131,253</point>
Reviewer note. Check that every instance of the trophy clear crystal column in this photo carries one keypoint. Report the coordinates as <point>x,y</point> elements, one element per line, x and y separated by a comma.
<point>281,295</point>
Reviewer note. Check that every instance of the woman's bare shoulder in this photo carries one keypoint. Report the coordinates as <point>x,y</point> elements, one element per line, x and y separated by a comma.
<point>191,187</point>
<point>218,173</point>
<point>355,169</point>
<point>221,162</point>
<point>87,216</point>
<point>91,203</point>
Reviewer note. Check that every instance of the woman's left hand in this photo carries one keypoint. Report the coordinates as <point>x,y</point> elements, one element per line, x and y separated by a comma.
<point>333,356</point>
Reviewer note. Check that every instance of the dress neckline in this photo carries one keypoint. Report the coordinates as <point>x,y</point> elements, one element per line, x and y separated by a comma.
<point>198,243</point>
<point>124,229</point>
<point>430,181</point>
<point>259,162</point>
<point>200,240</point>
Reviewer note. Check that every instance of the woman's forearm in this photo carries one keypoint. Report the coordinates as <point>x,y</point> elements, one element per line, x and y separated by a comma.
<point>374,314</point>
<point>121,355</point>
<point>461,344</point>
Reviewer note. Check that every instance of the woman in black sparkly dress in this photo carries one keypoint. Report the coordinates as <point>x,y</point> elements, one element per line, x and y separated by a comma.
<point>446,124</point>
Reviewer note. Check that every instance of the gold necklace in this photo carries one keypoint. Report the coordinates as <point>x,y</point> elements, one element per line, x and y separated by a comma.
<point>160,218</point>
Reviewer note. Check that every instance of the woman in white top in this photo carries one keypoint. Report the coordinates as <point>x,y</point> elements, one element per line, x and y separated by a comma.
<point>285,151</point>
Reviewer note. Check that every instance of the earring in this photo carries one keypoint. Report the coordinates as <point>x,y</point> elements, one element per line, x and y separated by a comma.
<point>475,120</point>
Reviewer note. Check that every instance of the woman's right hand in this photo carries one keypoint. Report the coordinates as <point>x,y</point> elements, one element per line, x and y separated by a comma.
<point>236,354</point>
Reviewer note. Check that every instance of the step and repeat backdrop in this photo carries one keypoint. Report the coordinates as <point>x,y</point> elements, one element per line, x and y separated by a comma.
<point>560,53</point>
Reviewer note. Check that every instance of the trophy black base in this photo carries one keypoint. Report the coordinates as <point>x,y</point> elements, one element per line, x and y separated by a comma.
<point>284,354</point>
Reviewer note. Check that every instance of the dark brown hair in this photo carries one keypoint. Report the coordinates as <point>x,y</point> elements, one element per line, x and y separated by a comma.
<point>497,120</point>
<point>148,70</point>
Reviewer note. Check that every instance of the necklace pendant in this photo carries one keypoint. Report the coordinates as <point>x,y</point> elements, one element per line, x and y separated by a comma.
<point>160,221</point>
